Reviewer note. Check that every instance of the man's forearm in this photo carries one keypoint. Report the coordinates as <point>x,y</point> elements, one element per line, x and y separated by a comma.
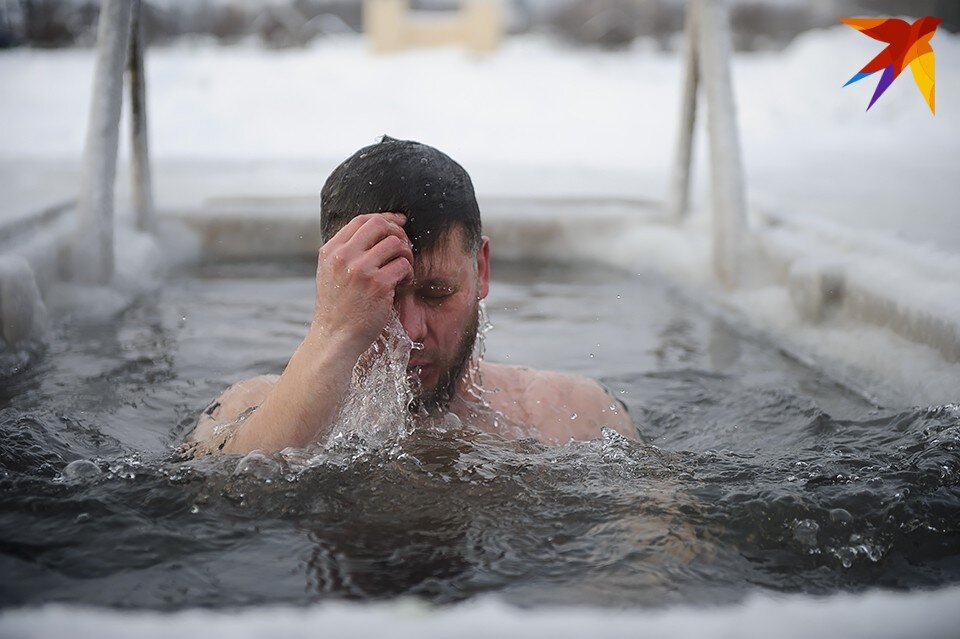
<point>301,408</point>
<point>358,271</point>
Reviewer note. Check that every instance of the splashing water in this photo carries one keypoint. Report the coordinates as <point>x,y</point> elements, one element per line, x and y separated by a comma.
<point>474,382</point>
<point>377,409</point>
<point>376,406</point>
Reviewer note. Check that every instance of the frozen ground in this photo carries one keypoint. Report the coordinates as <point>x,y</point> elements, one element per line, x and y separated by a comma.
<point>876,615</point>
<point>879,188</point>
<point>536,117</point>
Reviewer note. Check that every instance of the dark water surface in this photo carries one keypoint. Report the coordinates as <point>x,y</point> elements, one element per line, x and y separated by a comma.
<point>756,473</point>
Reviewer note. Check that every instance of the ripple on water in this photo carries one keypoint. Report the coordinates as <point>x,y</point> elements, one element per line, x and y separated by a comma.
<point>736,486</point>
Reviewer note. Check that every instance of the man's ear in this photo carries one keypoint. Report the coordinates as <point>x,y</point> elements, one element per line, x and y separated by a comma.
<point>483,268</point>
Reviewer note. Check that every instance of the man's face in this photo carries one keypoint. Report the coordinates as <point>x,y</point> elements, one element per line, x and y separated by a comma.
<point>439,309</point>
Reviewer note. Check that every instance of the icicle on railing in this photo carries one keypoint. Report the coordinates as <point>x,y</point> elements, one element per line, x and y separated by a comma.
<point>708,62</point>
<point>119,45</point>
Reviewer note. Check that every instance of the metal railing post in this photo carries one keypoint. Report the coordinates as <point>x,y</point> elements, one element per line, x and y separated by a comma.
<point>91,254</point>
<point>679,198</point>
<point>726,173</point>
<point>140,161</point>
<point>708,62</point>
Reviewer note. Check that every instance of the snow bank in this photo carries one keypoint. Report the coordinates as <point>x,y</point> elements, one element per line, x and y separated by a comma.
<point>874,616</point>
<point>863,201</point>
<point>568,119</point>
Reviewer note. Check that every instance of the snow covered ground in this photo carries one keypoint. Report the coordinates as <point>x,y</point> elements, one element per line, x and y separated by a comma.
<point>876,615</point>
<point>538,118</point>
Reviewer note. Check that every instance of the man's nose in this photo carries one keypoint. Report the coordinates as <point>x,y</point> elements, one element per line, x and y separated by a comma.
<point>412,316</point>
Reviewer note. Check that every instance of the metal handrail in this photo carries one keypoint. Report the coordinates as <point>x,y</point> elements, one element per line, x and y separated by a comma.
<point>119,47</point>
<point>707,56</point>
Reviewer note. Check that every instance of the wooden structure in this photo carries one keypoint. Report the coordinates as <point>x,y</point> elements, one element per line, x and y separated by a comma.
<point>392,26</point>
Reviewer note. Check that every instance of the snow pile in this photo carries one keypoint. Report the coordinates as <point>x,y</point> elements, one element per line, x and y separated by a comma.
<point>535,116</point>
<point>864,201</point>
<point>875,616</point>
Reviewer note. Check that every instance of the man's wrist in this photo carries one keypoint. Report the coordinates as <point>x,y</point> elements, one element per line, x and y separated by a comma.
<point>331,347</point>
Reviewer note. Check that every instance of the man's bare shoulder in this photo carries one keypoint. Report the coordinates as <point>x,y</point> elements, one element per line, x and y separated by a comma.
<point>560,405</point>
<point>231,404</point>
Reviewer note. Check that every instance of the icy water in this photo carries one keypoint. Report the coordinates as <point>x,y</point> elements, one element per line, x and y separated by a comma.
<point>754,474</point>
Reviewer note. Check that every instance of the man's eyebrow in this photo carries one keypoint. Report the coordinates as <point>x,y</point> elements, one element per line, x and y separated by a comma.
<point>435,281</point>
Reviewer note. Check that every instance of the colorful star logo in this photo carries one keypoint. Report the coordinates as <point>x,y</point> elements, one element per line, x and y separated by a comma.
<point>907,44</point>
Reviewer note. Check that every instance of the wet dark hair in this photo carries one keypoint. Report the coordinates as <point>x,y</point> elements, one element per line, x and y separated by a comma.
<point>403,176</point>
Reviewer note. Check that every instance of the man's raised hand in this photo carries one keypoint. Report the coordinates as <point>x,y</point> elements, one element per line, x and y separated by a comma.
<point>358,271</point>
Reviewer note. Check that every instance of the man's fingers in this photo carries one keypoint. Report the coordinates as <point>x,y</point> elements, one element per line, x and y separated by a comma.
<point>387,249</point>
<point>374,230</point>
<point>371,227</point>
<point>397,270</point>
<point>350,229</point>
<point>396,218</point>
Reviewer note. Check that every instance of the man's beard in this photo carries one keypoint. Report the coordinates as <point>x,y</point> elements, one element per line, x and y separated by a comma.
<point>439,397</point>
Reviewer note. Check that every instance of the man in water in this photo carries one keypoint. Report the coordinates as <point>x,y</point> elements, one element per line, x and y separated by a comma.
<point>401,230</point>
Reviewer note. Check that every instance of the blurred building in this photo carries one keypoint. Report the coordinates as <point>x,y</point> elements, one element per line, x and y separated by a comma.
<point>757,24</point>
<point>394,25</point>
